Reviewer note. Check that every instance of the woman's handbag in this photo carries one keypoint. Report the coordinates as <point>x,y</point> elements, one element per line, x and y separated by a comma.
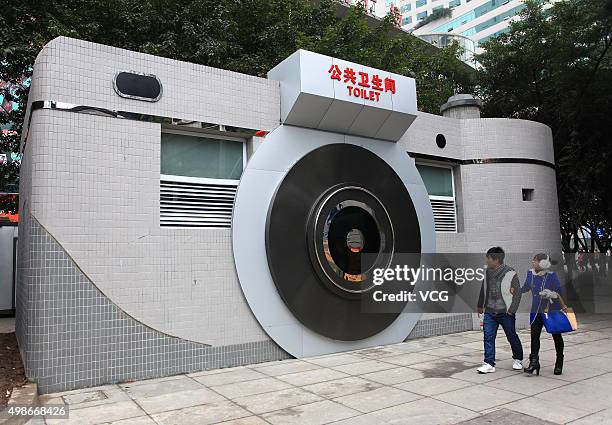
<point>559,321</point>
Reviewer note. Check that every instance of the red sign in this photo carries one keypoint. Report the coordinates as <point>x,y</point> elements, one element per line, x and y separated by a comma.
<point>361,84</point>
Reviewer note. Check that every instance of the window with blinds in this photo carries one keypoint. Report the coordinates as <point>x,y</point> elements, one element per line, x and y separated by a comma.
<point>199,178</point>
<point>440,187</point>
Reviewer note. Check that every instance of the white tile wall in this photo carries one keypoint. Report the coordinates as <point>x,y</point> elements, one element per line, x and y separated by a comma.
<point>79,72</point>
<point>491,206</point>
<point>96,189</point>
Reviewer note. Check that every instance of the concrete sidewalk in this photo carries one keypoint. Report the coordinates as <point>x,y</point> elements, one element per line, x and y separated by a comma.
<point>425,381</point>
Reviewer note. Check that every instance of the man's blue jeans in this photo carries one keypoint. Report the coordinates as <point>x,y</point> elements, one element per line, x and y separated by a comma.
<point>490,325</point>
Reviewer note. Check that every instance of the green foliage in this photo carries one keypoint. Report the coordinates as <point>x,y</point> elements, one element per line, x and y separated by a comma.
<point>555,66</point>
<point>248,36</point>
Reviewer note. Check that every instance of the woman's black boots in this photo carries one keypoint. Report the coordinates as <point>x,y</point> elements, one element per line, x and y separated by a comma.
<point>534,364</point>
<point>559,365</point>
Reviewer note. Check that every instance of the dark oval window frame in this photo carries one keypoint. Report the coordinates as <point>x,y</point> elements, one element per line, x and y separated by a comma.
<point>134,97</point>
<point>441,141</point>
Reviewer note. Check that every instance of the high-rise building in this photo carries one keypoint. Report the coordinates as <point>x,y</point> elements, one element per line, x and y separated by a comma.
<point>471,22</point>
<point>378,9</point>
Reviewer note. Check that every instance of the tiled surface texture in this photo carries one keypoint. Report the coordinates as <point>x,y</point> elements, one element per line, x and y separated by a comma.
<point>77,337</point>
<point>489,194</point>
<point>98,195</point>
<point>74,71</point>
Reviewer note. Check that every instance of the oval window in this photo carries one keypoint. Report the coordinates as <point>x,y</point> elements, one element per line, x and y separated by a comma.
<point>137,86</point>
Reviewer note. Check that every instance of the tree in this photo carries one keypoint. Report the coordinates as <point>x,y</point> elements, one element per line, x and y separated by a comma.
<point>18,49</point>
<point>554,65</point>
<point>248,36</point>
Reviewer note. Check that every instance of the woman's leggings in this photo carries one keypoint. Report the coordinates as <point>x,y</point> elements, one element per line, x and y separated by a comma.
<point>536,330</point>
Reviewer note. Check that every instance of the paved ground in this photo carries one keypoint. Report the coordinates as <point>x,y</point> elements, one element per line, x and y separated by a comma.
<point>426,381</point>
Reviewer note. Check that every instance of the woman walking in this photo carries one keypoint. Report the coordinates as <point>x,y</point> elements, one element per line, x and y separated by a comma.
<point>546,292</point>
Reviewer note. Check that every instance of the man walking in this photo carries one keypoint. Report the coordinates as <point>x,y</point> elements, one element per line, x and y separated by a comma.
<point>500,296</point>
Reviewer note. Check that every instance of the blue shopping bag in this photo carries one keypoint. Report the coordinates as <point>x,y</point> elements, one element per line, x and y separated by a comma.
<point>560,321</point>
<point>557,322</point>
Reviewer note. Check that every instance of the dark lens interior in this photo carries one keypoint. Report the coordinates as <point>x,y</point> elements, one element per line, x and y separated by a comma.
<point>341,224</point>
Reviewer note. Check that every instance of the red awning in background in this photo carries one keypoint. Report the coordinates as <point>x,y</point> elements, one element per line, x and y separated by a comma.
<point>14,218</point>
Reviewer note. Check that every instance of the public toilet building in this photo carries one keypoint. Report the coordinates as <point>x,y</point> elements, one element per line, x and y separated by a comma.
<point>176,217</point>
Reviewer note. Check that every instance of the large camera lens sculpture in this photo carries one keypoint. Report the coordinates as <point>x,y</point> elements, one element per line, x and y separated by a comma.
<point>326,235</point>
<point>315,214</point>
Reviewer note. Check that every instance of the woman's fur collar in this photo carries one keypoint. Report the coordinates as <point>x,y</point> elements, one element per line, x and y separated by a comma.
<point>540,273</point>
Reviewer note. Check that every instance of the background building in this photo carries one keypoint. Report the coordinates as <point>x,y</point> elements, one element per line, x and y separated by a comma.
<point>406,20</point>
<point>479,20</point>
<point>442,40</point>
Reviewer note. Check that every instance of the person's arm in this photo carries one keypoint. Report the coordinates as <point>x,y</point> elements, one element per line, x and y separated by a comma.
<point>556,286</point>
<point>515,287</point>
<point>527,285</point>
<point>481,298</point>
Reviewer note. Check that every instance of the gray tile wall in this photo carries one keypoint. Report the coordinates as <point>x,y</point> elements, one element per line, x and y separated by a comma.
<point>442,324</point>
<point>76,337</point>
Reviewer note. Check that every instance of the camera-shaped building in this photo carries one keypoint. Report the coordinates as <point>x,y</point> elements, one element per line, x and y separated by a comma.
<point>177,217</point>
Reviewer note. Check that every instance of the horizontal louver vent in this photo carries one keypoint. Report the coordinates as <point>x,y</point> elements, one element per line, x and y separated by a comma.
<point>445,216</point>
<point>195,204</point>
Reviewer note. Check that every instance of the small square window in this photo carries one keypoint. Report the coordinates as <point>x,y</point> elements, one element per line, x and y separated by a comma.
<point>406,20</point>
<point>527,194</point>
